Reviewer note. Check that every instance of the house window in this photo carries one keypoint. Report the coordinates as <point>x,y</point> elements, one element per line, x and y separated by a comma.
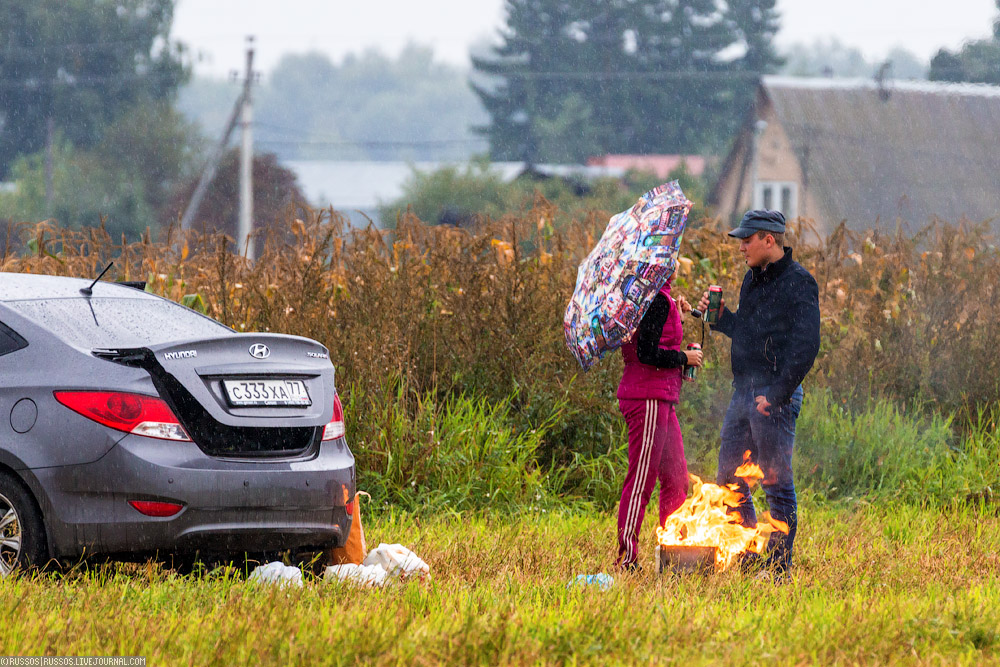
<point>782,195</point>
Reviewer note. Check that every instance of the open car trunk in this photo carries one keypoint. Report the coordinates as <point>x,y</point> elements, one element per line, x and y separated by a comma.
<point>242,395</point>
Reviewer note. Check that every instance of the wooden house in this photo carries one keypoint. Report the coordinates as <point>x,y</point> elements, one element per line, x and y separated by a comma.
<point>871,153</point>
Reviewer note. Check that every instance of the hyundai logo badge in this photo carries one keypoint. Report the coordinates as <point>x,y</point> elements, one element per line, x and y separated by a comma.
<point>259,351</point>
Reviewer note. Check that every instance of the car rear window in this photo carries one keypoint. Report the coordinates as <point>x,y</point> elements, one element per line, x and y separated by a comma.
<point>10,341</point>
<point>102,322</point>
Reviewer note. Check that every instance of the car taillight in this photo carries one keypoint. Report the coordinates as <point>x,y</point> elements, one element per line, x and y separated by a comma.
<point>335,429</point>
<point>348,501</point>
<point>155,508</point>
<point>122,411</point>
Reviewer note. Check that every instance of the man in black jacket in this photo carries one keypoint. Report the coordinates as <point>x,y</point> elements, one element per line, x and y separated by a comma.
<point>775,339</point>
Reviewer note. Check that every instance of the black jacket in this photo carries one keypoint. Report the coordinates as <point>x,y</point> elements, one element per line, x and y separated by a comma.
<point>775,331</point>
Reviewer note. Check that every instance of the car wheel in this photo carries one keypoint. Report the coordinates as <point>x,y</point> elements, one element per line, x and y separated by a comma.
<point>22,534</point>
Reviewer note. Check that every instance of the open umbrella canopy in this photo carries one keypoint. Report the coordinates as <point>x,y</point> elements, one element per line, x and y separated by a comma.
<point>635,257</point>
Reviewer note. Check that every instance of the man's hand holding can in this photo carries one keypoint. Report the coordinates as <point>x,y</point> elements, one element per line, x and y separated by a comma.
<point>711,304</point>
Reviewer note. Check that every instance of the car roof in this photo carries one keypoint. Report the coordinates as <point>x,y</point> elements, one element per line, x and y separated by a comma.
<point>21,286</point>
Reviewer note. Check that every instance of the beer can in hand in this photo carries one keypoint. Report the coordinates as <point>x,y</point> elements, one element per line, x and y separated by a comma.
<point>714,304</point>
<point>690,372</point>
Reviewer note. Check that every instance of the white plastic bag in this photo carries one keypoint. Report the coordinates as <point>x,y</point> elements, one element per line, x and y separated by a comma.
<point>277,573</point>
<point>398,561</point>
<point>366,576</point>
<point>601,580</point>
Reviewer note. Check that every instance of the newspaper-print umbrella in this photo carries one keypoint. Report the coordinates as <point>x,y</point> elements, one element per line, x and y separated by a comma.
<point>635,257</point>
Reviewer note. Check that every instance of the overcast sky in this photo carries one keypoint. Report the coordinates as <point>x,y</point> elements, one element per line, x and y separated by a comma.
<point>216,29</point>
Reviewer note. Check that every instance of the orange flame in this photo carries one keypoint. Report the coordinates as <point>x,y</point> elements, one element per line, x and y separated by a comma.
<point>750,472</point>
<point>704,520</point>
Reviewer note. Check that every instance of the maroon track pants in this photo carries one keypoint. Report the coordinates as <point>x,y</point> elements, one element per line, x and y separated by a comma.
<point>655,452</point>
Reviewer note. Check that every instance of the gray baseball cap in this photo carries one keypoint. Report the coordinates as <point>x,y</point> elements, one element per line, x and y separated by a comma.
<point>759,220</point>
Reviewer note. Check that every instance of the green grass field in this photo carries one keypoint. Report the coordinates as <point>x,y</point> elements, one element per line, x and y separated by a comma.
<point>873,585</point>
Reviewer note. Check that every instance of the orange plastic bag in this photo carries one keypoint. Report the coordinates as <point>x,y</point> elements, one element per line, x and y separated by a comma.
<point>354,549</point>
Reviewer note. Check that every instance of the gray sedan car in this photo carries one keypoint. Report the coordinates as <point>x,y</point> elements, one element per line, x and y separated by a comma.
<point>132,425</point>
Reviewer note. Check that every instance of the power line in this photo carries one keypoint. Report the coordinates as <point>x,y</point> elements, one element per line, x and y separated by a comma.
<point>313,139</point>
<point>295,130</point>
<point>628,75</point>
<point>74,48</point>
<point>74,81</point>
<point>431,143</point>
<point>565,75</point>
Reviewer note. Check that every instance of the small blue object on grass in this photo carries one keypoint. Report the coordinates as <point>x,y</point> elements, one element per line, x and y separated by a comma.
<point>601,580</point>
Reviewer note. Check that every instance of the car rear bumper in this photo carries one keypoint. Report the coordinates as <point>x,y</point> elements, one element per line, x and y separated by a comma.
<point>229,505</point>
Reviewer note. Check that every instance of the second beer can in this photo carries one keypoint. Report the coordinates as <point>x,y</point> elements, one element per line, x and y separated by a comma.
<point>714,304</point>
<point>690,372</point>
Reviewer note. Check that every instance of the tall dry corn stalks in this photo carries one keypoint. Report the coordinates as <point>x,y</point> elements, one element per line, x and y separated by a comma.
<point>443,310</point>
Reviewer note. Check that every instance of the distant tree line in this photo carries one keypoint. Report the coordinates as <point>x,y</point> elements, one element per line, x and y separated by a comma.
<point>977,61</point>
<point>366,107</point>
<point>831,58</point>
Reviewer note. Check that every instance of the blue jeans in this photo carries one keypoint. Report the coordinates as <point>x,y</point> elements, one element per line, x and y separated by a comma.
<point>770,441</point>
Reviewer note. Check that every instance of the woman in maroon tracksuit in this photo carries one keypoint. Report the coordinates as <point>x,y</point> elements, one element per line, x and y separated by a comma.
<point>647,396</point>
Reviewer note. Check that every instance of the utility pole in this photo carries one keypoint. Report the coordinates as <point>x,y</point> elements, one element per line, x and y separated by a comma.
<point>209,172</point>
<point>244,234</point>
<point>242,114</point>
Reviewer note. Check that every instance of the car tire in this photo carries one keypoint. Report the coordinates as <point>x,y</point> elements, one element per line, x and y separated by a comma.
<point>22,532</point>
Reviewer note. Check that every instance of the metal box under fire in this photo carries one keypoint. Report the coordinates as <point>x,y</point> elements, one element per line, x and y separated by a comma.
<point>685,558</point>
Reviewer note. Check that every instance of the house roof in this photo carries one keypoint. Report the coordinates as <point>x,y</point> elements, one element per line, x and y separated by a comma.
<point>915,150</point>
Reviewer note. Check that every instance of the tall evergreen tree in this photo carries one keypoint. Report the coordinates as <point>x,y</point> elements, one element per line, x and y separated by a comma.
<point>756,22</point>
<point>572,79</point>
<point>520,89</point>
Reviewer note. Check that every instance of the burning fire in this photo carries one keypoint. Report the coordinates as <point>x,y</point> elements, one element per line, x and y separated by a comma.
<point>704,520</point>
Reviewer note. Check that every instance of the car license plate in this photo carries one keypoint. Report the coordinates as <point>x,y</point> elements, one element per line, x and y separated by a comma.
<point>267,392</point>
